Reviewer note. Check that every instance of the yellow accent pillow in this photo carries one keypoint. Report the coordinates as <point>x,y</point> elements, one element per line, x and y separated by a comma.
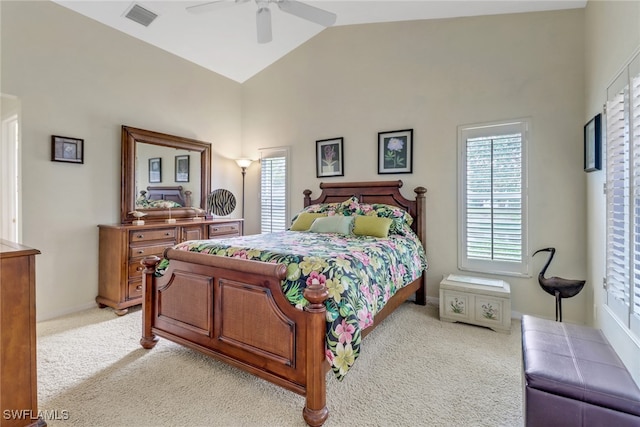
<point>372,226</point>
<point>304,220</point>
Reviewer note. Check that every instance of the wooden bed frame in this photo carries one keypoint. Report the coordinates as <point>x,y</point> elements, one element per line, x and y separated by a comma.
<point>235,310</point>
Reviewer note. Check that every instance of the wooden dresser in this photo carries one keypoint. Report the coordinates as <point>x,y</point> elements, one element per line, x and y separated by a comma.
<point>18,364</point>
<point>123,246</point>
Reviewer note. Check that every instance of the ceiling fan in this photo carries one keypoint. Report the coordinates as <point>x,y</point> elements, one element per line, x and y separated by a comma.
<point>263,15</point>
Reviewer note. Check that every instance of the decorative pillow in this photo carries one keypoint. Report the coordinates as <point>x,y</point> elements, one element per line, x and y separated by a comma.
<point>399,216</point>
<point>371,226</point>
<point>304,220</point>
<point>330,209</point>
<point>333,224</point>
<point>146,203</point>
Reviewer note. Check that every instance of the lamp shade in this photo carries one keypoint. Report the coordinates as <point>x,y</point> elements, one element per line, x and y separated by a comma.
<point>244,163</point>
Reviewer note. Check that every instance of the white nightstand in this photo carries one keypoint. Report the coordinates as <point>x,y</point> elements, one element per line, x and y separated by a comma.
<point>476,300</point>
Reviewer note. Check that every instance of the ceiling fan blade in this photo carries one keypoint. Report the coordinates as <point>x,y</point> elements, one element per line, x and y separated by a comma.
<point>213,5</point>
<point>308,12</point>
<point>263,24</point>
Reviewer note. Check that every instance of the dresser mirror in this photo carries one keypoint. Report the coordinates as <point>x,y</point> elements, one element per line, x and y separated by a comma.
<point>163,176</point>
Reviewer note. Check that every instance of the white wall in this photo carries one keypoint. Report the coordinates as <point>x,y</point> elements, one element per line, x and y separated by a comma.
<point>433,76</point>
<point>81,79</point>
<point>349,81</point>
<point>612,34</point>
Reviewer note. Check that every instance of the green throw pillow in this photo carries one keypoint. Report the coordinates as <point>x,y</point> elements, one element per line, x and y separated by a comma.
<point>333,224</point>
<point>371,226</point>
<point>304,220</point>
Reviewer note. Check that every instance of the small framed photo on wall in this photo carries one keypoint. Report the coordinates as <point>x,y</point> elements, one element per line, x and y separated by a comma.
<point>155,170</point>
<point>395,151</point>
<point>592,145</point>
<point>65,149</point>
<point>329,158</point>
<point>182,168</point>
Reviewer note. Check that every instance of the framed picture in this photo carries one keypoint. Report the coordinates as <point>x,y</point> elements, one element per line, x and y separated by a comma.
<point>395,151</point>
<point>65,149</point>
<point>182,168</point>
<point>592,145</point>
<point>329,158</point>
<point>155,169</point>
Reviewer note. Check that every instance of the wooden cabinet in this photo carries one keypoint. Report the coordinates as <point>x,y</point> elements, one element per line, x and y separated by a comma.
<point>122,247</point>
<point>18,383</point>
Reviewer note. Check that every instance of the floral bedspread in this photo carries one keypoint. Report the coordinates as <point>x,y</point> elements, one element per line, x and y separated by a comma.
<point>360,272</point>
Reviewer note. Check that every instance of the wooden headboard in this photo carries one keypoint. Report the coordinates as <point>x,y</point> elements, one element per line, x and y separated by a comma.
<point>173,194</point>
<point>387,192</point>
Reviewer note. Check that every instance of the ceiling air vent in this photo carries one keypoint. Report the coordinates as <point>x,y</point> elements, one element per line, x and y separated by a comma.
<point>140,15</point>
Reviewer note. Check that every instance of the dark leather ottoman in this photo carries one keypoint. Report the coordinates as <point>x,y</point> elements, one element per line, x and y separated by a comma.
<point>573,377</point>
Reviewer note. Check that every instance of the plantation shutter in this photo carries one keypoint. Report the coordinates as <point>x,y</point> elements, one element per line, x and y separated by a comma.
<point>622,113</point>
<point>492,217</point>
<point>618,203</point>
<point>635,136</point>
<point>273,191</point>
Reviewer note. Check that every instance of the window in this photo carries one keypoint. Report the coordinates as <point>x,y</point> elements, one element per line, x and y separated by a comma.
<point>622,115</point>
<point>492,223</point>
<point>273,190</point>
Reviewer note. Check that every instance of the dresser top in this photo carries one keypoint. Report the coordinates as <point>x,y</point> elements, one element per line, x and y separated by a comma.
<point>162,224</point>
<point>10,249</point>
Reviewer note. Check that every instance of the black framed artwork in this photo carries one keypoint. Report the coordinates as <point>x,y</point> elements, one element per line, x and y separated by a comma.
<point>182,168</point>
<point>395,151</point>
<point>66,149</point>
<point>155,170</point>
<point>329,158</point>
<point>593,145</point>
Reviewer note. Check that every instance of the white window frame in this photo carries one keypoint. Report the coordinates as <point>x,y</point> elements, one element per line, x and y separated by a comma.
<point>266,153</point>
<point>465,262</point>
<point>622,166</point>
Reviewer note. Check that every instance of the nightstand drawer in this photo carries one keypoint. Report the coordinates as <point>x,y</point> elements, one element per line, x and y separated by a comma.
<point>225,229</point>
<point>153,234</point>
<point>143,251</point>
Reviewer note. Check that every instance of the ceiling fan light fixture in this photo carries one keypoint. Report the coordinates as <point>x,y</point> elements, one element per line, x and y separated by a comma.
<point>263,24</point>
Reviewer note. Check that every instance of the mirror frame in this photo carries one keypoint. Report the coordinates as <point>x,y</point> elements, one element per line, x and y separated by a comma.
<point>130,136</point>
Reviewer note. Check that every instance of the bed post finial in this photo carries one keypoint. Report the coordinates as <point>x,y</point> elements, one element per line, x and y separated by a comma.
<point>307,197</point>
<point>148,340</point>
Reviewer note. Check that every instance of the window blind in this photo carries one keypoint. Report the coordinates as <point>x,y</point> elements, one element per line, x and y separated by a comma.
<point>492,216</point>
<point>494,209</point>
<point>622,115</point>
<point>273,191</point>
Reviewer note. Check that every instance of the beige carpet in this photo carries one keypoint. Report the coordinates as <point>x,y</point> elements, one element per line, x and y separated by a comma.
<point>414,371</point>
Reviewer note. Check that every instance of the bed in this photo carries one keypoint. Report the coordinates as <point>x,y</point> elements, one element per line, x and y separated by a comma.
<point>237,309</point>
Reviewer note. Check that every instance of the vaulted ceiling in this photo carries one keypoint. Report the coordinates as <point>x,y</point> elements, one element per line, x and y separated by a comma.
<point>224,39</point>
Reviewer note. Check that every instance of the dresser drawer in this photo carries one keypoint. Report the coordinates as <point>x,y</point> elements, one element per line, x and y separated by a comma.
<point>135,270</point>
<point>143,251</point>
<point>134,290</point>
<point>224,229</point>
<point>153,234</point>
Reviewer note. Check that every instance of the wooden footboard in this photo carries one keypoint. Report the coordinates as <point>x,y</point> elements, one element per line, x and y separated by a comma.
<point>235,310</point>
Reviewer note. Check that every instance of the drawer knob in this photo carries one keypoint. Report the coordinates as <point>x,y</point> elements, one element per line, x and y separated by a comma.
<point>167,234</point>
<point>140,236</point>
<point>139,288</point>
<point>139,268</point>
<point>140,251</point>
<point>215,229</point>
